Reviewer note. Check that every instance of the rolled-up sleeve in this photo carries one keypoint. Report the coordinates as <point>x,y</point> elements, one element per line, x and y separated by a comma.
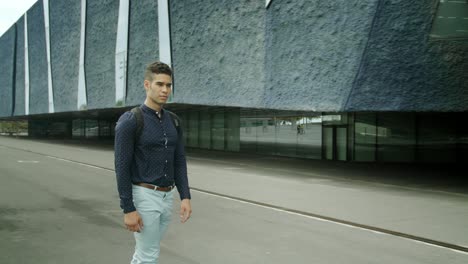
<point>123,157</point>
<point>180,169</point>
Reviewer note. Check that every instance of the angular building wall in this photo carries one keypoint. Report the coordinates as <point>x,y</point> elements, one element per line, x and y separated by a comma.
<point>7,60</point>
<point>19,69</point>
<point>313,50</point>
<point>143,46</point>
<point>101,27</point>
<point>404,70</point>
<point>38,83</point>
<point>65,52</point>
<point>372,55</point>
<point>218,52</point>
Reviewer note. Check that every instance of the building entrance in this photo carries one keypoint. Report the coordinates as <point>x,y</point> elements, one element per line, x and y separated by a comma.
<point>335,142</point>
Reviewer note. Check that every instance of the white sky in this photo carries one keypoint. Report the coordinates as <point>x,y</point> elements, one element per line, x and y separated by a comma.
<point>11,11</point>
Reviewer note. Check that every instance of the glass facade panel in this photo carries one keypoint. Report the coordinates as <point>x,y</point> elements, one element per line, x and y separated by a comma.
<point>281,133</point>
<point>78,129</point>
<point>233,130</point>
<point>350,137</point>
<point>365,136</point>
<point>309,138</point>
<point>286,132</point>
<point>192,130</point>
<point>184,124</point>
<point>328,142</point>
<point>396,137</point>
<point>217,131</point>
<point>341,148</point>
<point>248,133</point>
<point>266,135</point>
<point>437,138</point>
<point>104,128</point>
<point>204,130</point>
<point>91,129</point>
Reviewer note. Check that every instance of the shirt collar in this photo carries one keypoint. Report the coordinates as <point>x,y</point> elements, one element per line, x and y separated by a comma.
<point>149,110</point>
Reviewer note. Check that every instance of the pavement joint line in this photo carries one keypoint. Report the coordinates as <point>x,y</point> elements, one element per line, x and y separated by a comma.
<point>80,163</point>
<point>61,159</point>
<point>435,243</point>
<point>377,230</point>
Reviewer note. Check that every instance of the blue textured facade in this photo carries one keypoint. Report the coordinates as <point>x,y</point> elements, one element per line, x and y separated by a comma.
<point>19,68</point>
<point>65,44</point>
<point>38,83</point>
<point>143,46</point>
<point>218,52</point>
<point>7,59</point>
<point>313,52</point>
<point>404,70</point>
<point>101,28</point>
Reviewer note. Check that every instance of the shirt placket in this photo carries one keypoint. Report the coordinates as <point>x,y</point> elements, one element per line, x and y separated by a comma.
<point>166,140</point>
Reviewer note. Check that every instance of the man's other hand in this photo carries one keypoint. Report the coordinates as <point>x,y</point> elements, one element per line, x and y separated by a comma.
<point>133,221</point>
<point>185,210</point>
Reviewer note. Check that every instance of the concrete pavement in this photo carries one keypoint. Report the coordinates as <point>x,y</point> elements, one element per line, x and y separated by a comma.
<point>406,199</point>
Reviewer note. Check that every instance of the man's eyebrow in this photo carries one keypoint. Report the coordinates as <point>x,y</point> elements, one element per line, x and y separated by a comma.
<point>164,83</point>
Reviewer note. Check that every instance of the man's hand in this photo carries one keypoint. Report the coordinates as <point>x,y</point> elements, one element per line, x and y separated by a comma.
<point>185,210</point>
<point>133,221</point>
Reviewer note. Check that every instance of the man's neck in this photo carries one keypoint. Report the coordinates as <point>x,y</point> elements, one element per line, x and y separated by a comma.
<point>152,105</point>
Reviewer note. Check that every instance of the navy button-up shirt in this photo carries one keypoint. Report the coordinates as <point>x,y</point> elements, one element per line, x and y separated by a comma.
<point>157,157</point>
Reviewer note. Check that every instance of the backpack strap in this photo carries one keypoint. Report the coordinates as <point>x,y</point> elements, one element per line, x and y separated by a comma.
<point>176,121</point>
<point>140,123</point>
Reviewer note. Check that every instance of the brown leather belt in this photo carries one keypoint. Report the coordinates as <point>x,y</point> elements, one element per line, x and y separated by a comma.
<point>154,187</point>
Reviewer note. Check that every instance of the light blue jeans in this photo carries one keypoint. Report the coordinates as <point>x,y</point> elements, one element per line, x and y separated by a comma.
<point>155,209</point>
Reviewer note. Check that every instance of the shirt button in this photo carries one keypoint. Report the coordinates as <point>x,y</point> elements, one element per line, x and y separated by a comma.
<point>166,161</point>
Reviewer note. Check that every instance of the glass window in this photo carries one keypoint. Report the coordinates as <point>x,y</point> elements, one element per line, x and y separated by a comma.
<point>248,133</point>
<point>184,123</point>
<point>78,128</point>
<point>265,130</point>
<point>233,130</point>
<point>217,131</point>
<point>91,129</point>
<point>104,128</point>
<point>365,137</point>
<point>328,142</point>
<point>341,142</point>
<point>205,130</point>
<point>396,137</point>
<point>309,137</point>
<point>192,130</point>
<point>437,138</point>
<point>286,132</point>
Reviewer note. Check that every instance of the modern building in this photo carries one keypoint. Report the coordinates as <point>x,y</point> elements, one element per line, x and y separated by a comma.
<point>354,80</point>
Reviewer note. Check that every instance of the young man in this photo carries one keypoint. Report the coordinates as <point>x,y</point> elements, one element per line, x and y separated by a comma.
<point>149,165</point>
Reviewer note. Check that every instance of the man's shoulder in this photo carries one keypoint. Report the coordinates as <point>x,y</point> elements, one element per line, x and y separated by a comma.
<point>126,121</point>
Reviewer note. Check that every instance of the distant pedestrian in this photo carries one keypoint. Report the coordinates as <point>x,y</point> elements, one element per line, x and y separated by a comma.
<point>149,163</point>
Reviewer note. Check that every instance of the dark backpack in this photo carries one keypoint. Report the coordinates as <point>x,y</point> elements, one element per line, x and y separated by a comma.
<point>140,122</point>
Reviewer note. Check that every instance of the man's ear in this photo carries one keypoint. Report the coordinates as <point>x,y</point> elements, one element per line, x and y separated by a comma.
<point>146,84</point>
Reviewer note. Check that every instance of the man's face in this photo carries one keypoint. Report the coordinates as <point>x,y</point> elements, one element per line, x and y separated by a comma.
<point>159,89</point>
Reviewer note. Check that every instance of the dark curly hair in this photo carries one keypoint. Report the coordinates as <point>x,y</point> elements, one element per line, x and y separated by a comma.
<point>157,67</point>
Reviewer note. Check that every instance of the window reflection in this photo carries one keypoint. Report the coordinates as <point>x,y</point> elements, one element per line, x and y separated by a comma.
<point>281,133</point>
